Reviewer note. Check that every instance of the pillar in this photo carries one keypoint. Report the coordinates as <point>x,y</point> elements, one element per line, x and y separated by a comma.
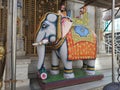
<point>99,26</point>
<point>20,39</point>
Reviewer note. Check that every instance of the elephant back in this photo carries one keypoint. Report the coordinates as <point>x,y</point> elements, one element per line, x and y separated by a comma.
<point>81,43</point>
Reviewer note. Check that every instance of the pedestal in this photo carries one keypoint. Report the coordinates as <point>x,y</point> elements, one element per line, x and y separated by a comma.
<point>58,81</point>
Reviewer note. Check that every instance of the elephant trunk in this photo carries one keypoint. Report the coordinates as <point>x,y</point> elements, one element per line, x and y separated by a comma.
<point>41,55</point>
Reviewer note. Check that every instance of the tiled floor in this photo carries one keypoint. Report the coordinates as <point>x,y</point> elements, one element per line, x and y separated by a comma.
<point>86,86</point>
<point>23,88</point>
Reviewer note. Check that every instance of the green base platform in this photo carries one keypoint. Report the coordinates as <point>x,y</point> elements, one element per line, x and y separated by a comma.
<point>57,81</point>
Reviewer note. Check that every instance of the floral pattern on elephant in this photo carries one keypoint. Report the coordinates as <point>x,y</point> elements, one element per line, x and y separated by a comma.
<point>82,48</point>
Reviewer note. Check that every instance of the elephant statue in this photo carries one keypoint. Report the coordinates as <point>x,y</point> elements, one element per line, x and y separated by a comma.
<point>69,43</point>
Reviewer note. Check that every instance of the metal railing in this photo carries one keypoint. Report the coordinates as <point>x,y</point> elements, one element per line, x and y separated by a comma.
<point>108,42</point>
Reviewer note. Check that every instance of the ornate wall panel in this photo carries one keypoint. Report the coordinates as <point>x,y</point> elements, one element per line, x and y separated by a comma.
<point>29,25</point>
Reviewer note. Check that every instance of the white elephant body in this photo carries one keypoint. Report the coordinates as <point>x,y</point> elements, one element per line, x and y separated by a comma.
<point>66,43</point>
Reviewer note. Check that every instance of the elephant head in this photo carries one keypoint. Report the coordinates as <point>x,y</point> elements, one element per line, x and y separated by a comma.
<point>52,28</point>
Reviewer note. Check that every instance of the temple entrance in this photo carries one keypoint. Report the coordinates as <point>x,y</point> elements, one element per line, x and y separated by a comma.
<point>32,12</point>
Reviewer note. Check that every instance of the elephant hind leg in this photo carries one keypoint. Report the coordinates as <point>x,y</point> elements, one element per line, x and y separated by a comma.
<point>90,67</point>
<point>68,73</point>
<point>90,70</point>
<point>54,70</point>
<point>84,67</point>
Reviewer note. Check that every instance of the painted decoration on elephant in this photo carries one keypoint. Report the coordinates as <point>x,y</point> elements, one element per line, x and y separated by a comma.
<point>82,31</point>
<point>82,19</point>
<point>81,44</point>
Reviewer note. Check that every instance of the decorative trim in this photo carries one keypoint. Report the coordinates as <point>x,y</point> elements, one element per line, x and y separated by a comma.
<point>59,33</point>
<point>2,52</point>
<point>58,43</point>
<point>55,67</point>
<point>91,69</point>
<point>68,71</point>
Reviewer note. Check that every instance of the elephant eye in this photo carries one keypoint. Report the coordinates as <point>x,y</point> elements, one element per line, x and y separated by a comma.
<point>45,25</point>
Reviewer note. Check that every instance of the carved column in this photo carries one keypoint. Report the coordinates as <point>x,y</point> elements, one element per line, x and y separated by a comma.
<point>99,30</point>
<point>8,47</point>
<point>20,37</point>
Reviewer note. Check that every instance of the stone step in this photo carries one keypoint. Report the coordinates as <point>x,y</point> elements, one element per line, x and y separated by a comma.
<point>22,64</point>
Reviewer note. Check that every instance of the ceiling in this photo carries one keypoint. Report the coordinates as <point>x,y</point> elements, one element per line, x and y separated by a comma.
<point>102,3</point>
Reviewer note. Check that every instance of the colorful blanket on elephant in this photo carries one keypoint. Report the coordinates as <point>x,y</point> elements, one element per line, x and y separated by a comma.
<point>81,44</point>
<point>82,21</point>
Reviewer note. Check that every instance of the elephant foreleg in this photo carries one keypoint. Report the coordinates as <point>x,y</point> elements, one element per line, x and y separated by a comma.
<point>68,71</point>
<point>41,54</point>
<point>55,64</point>
<point>89,66</point>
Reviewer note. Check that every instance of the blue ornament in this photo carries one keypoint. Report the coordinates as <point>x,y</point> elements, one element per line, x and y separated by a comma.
<point>81,30</point>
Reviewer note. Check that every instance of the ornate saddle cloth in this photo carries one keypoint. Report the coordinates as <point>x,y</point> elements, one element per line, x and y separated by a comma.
<point>81,44</point>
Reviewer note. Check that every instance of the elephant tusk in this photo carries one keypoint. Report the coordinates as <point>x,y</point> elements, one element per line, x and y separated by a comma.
<point>36,44</point>
<point>45,41</point>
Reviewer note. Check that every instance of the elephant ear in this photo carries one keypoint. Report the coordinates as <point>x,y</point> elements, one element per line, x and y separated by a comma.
<point>66,25</point>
